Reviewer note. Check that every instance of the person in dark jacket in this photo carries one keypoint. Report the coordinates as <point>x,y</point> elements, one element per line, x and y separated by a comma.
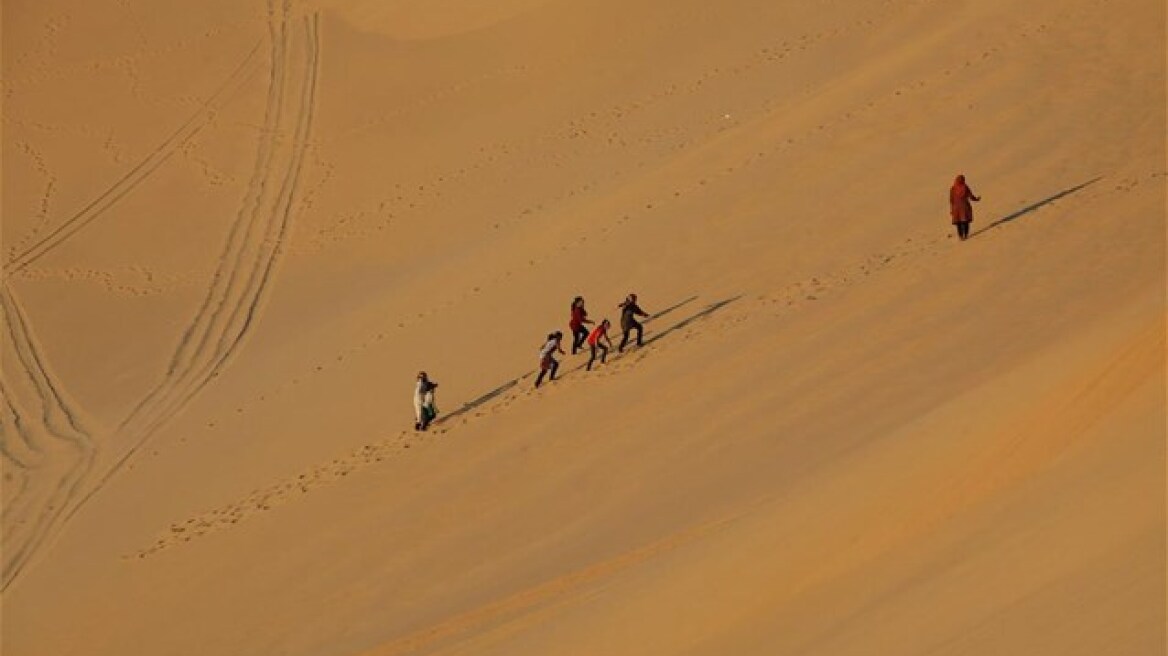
<point>577,324</point>
<point>629,313</point>
<point>960,208</point>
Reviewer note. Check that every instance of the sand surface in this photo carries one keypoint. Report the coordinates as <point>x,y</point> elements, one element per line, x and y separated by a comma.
<point>234,231</point>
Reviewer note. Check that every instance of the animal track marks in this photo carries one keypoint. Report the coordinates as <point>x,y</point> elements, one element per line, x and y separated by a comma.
<point>139,173</point>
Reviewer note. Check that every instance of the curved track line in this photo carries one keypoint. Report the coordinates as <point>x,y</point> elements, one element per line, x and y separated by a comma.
<point>231,306</point>
<point>249,259</point>
<point>63,445</point>
<point>239,238</point>
<point>139,172</point>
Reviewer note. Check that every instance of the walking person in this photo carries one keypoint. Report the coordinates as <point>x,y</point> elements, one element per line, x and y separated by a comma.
<point>594,343</point>
<point>425,409</point>
<point>576,324</point>
<point>960,208</point>
<point>547,361</point>
<point>629,313</point>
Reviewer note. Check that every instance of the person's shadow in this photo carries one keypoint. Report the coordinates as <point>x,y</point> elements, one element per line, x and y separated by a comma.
<point>1035,206</point>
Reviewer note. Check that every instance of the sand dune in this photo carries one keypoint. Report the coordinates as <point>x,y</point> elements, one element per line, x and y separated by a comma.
<point>233,232</point>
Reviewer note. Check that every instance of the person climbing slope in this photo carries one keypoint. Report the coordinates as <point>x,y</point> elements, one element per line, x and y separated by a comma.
<point>960,208</point>
<point>576,324</point>
<point>547,360</point>
<point>629,313</point>
<point>425,409</point>
<point>594,343</point>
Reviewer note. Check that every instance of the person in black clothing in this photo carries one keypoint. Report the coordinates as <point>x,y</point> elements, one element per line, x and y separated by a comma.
<point>629,313</point>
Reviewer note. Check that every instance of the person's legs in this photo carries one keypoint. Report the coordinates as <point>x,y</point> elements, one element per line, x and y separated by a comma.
<point>624,339</point>
<point>579,334</point>
<point>591,357</point>
<point>603,352</point>
<point>555,367</point>
<point>417,414</point>
<point>640,330</point>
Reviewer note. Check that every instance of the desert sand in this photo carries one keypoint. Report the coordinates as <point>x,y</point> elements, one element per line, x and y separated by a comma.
<point>234,231</point>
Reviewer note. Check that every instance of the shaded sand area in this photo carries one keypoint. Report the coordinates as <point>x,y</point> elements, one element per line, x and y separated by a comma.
<point>234,231</point>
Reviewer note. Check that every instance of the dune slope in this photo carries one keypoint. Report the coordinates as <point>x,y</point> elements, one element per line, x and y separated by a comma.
<point>233,232</point>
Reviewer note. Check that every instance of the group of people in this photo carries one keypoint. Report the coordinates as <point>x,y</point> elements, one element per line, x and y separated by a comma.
<point>598,341</point>
<point>596,338</point>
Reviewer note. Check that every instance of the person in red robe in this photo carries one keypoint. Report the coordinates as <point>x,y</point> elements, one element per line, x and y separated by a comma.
<point>960,207</point>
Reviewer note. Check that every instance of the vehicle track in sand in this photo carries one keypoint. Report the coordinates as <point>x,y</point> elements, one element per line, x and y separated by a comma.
<point>246,267</point>
<point>46,447</point>
<point>232,304</point>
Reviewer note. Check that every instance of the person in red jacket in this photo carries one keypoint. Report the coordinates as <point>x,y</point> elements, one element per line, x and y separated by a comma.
<point>576,324</point>
<point>960,208</point>
<point>594,343</point>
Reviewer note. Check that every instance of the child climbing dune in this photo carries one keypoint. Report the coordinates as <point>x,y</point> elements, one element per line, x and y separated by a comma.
<point>547,361</point>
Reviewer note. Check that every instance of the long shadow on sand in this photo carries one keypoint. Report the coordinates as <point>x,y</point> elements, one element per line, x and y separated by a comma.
<point>498,391</point>
<point>1036,206</point>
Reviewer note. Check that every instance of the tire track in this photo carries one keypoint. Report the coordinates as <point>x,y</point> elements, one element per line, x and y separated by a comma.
<point>141,171</point>
<point>232,304</point>
<point>49,450</point>
<point>250,256</point>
